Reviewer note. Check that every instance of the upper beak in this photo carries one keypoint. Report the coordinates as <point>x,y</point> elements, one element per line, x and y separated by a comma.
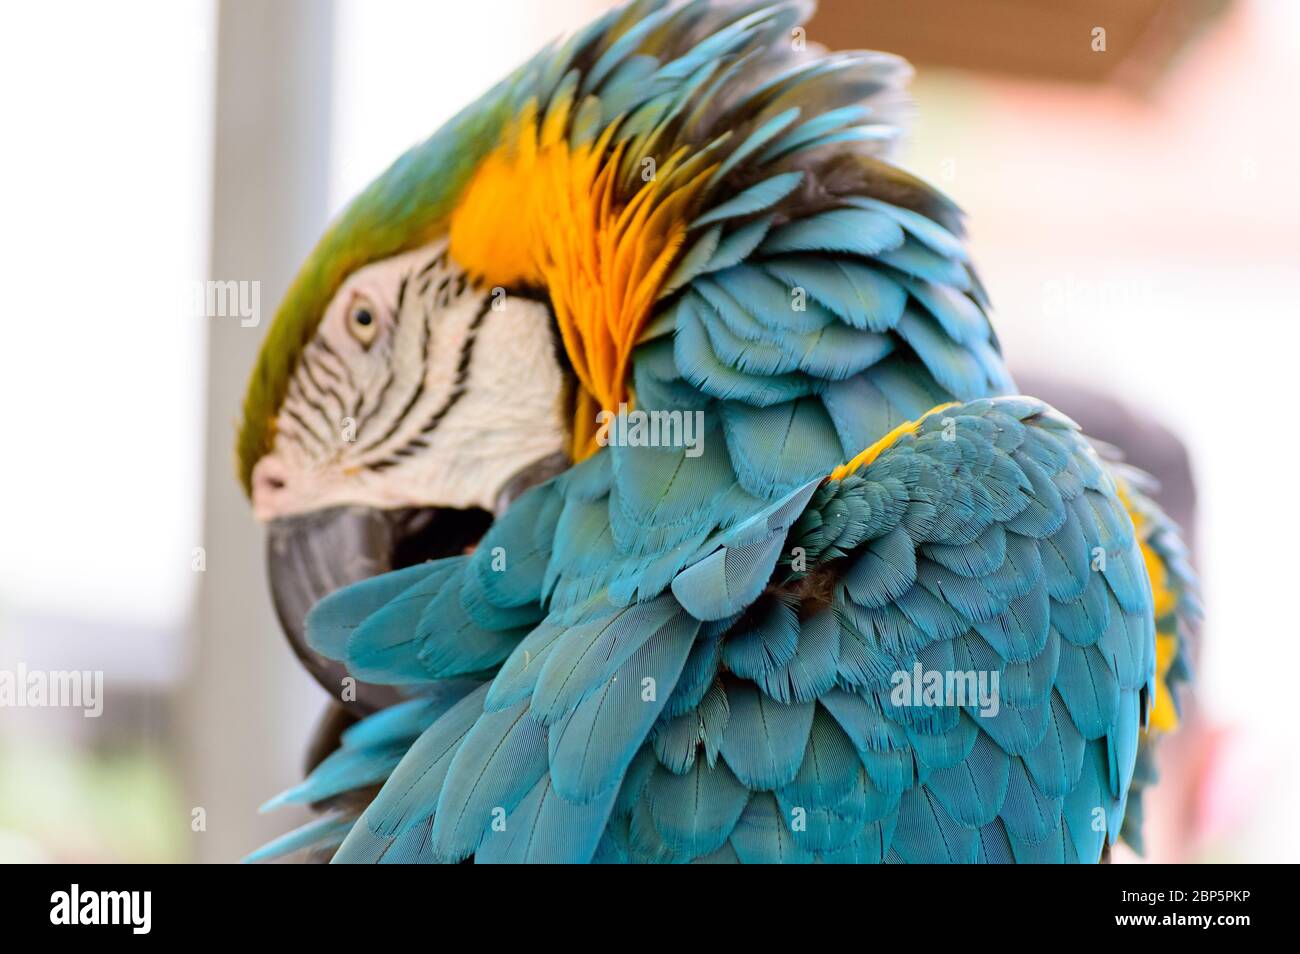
<point>312,555</point>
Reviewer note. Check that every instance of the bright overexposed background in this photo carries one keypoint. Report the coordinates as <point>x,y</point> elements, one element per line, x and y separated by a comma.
<point>104,187</point>
<point>1141,244</point>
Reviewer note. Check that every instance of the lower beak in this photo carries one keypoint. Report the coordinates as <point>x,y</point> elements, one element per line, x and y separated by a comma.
<point>312,555</point>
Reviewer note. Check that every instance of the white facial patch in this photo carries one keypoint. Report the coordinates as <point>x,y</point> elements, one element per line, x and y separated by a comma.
<point>418,390</point>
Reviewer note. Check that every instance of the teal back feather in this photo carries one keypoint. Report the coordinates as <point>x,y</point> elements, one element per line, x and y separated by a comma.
<point>693,658</point>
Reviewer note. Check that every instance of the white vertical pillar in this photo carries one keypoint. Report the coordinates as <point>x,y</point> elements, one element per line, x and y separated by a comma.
<point>248,707</point>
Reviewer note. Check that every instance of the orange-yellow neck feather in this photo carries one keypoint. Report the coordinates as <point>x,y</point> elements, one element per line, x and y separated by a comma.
<point>542,212</point>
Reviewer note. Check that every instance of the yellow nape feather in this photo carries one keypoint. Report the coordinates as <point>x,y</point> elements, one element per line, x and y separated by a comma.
<point>542,212</point>
<point>1164,717</point>
<point>880,446</point>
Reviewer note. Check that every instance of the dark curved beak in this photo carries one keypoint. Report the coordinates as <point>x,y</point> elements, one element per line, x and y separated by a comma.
<point>312,555</point>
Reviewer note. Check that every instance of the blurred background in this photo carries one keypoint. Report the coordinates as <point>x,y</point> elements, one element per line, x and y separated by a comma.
<point>1132,206</point>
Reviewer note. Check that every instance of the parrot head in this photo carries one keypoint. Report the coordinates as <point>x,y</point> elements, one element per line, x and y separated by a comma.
<point>422,404</point>
<point>448,345</point>
<point>456,334</point>
<point>420,388</point>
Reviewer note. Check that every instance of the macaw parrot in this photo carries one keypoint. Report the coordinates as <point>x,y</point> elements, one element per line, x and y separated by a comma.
<point>644,479</point>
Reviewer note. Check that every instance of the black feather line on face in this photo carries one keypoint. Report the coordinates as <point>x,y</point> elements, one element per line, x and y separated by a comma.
<point>457,391</point>
<point>426,336</point>
<point>343,365</point>
<point>306,428</point>
<point>569,397</point>
<point>379,405</point>
<point>298,400</point>
<point>311,364</point>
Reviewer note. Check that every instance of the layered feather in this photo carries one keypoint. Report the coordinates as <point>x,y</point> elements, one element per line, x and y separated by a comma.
<point>694,653</point>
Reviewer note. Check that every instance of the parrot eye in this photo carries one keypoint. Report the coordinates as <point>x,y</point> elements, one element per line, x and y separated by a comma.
<point>361,322</point>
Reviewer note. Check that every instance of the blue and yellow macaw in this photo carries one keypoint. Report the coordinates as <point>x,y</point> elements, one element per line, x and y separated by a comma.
<point>646,435</point>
